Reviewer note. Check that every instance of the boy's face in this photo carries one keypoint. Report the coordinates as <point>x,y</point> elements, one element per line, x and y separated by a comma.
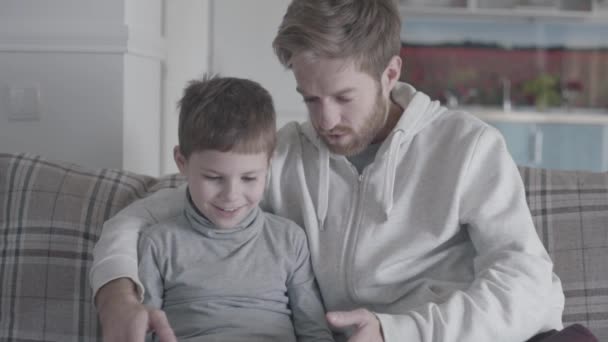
<point>224,186</point>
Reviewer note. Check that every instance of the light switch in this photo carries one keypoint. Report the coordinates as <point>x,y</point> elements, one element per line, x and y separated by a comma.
<point>24,103</point>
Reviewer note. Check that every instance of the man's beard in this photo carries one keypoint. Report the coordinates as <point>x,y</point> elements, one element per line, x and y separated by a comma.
<point>374,122</point>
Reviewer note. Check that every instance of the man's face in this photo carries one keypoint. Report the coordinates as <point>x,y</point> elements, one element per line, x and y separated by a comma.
<point>224,186</point>
<point>346,106</point>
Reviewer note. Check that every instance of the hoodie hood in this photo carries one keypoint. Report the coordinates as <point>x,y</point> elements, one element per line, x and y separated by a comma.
<point>418,111</point>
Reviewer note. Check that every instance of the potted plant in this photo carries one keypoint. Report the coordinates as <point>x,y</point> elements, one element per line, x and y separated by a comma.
<point>545,91</point>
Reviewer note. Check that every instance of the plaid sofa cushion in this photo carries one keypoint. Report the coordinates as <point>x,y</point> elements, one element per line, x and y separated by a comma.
<point>51,214</point>
<point>570,212</point>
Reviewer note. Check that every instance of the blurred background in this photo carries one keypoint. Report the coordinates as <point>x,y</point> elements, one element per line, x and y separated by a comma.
<point>96,82</point>
<point>535,69</point>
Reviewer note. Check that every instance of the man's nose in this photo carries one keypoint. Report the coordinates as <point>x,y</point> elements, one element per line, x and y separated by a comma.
<point>328,116</point>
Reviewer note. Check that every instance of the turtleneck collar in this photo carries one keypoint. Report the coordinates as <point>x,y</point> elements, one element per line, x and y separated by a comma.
<point>246,229</point>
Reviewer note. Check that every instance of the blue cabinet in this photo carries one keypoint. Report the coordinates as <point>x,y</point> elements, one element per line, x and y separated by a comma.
<point>564,146</point>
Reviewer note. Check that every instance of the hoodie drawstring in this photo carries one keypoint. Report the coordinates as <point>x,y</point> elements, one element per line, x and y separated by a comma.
<point>389,180</point>
<point>323,190</point>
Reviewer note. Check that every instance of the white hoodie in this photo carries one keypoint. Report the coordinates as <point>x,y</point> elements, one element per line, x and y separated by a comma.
<point>434,236</point>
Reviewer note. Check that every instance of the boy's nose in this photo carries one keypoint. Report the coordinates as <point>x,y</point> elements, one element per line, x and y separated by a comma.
<point>229,191</point>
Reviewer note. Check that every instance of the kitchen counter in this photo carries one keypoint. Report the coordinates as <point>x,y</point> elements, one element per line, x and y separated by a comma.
<point>531,115</point>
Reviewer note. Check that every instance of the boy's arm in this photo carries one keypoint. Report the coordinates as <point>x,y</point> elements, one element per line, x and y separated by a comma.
<point>151,278</point>
<point>305,300</point>
<point>149,272</point>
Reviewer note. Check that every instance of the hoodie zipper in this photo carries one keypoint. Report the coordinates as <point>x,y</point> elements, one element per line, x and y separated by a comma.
<point>355,219</point>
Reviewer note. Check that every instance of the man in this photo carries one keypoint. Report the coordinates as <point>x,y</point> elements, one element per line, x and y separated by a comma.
<point>415,215</point>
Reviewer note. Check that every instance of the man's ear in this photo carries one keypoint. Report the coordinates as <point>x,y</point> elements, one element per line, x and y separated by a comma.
<point>391,75</point>
<point>180,160</point>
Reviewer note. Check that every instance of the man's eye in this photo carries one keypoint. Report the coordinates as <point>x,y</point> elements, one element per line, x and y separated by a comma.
<point>213,178</point>
<point>344,99</point>
<point>249,179</point>
<point>310,99</point>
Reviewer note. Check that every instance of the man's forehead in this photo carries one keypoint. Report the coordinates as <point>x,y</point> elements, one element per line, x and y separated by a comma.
<point>335,92</point>
<point>312,63</point>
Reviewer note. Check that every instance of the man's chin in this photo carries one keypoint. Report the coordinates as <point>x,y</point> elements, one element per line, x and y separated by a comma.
<point>345,149</point>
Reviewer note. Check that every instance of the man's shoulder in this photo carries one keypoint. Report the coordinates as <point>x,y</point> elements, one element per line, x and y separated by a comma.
<point>462,126</point>
<point>289,134</point>
<point>464,119</point>
<point>292,139</point>
<point>282,224</point>
<point>160,205</point>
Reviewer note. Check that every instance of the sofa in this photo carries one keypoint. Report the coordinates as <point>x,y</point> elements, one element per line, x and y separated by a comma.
<point>52,212</point>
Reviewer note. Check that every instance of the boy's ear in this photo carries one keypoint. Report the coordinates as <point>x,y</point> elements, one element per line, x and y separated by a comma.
<point>180,160</point>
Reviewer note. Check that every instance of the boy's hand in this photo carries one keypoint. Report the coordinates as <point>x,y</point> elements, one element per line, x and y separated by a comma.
<point>367,326</point>
<point>124,319</point>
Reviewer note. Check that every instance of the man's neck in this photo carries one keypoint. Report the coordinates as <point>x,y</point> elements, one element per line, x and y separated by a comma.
<point>394,114</point>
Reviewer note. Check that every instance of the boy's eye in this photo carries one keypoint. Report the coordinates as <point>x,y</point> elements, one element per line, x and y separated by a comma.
<point>343,99</point>
<point>249,179</point>
<point>213,178</point>
<point>310,99</point>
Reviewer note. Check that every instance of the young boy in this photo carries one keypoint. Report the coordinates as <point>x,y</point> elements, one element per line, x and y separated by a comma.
<point>223,270</point>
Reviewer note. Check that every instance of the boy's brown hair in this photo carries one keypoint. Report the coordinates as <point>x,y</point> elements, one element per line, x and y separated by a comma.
<point>226,114</point>
<point>369,31</point>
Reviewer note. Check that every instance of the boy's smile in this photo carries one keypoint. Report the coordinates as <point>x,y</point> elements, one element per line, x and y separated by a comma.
<point>224,186</point>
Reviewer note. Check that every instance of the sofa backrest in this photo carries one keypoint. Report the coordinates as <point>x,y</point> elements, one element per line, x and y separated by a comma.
<point>51,215</point>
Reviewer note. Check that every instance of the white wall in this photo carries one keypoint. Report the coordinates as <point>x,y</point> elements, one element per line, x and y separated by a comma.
<point>98,67</point>
<point>110,72</point>
<point>80,118</point>
<point>188,43</point>
<point>34,13</point>
<point>230,37</point>
<point>242,46</point>
<point>141,115</point>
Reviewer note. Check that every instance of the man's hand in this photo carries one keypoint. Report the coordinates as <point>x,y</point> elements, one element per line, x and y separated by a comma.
<point>124,319</point>
<point>367,326</point>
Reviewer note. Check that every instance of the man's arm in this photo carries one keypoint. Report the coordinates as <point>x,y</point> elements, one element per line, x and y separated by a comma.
<point>115,253</point>
<point>114,276</point>
<point>514,294</point>
<point>124,319</point>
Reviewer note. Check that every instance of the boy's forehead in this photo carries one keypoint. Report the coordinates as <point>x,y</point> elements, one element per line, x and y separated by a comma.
<point>229,161</point>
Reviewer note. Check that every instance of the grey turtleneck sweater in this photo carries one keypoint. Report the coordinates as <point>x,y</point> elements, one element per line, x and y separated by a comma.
<point>250,283</point>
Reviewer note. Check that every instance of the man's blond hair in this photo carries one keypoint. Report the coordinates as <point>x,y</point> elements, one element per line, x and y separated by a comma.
<point>368,31</point>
